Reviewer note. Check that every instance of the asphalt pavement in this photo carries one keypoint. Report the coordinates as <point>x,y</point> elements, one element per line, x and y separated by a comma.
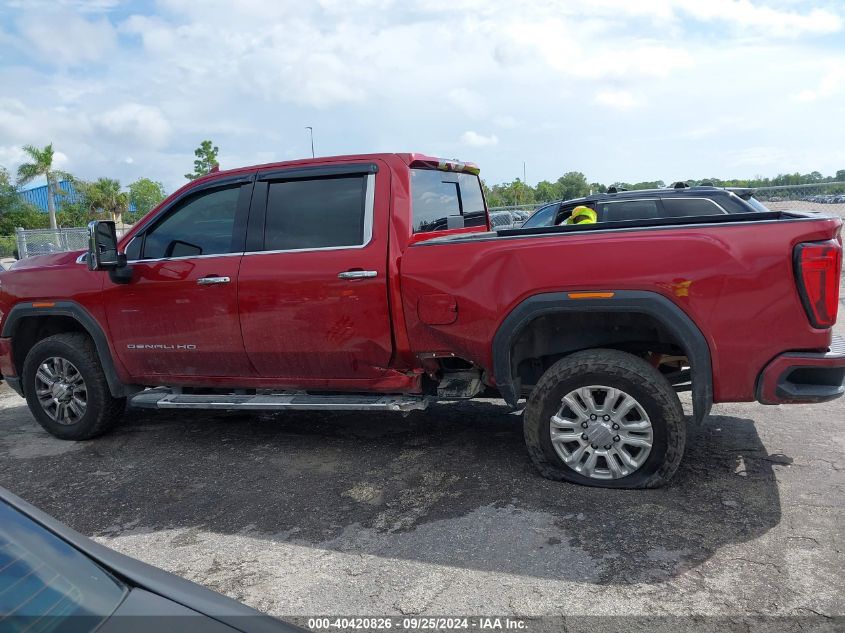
<point>442,513</point>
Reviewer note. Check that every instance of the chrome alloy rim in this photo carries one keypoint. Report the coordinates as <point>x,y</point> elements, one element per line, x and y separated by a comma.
<point>61,390</point>
<point>601,432</point>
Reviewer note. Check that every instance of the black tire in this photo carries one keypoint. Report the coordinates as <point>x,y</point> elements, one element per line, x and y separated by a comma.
<point>102,411</point>
<point>619,370</point>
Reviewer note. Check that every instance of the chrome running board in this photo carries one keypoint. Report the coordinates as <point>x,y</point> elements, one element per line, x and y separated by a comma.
<point>277,401</point>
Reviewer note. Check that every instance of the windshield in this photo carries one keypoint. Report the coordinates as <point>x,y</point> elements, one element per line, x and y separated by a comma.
<point>44,581</point>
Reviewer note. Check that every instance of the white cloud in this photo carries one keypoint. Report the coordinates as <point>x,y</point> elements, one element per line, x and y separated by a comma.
<point>68,39</point>
<point>469,102</point>
<point>769,20</point>
<point>522,77</point>
<point>762,156</point>
<point>60,160</point>
<point>832,83</point>
<point>139,124</point>
<point>507,121</point>
<point>474,139</point>
<point>11,156</point>
<point>617,99</point>
<point>82,6</point>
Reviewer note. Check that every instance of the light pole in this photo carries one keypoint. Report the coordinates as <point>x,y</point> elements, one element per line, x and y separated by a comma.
<point>311,130</point>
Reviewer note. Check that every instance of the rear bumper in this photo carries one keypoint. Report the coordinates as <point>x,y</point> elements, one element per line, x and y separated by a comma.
<point>804,377</point>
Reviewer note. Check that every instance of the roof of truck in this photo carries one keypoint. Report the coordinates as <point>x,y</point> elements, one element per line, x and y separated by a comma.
<point>406,157</point>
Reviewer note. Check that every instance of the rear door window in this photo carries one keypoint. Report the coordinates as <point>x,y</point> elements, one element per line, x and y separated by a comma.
<point>444,200</point>
<point>687,207</point>
<point>326,212</point>
<point>622,210</point>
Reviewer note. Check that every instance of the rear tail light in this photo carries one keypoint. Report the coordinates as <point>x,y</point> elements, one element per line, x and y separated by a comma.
<point>817,269</point>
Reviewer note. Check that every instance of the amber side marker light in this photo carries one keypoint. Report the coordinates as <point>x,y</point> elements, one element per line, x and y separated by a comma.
<point>44,304</point>
<point>591,295</point>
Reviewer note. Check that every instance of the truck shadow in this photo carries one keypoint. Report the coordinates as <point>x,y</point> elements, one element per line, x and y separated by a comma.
<point>450,486</point>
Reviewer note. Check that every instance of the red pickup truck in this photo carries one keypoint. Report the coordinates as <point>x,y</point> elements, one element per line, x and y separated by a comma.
<point>373,282</point>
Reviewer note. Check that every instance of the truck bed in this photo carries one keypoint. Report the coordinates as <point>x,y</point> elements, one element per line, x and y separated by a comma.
<point>732,275</point>
<point>733,218</point>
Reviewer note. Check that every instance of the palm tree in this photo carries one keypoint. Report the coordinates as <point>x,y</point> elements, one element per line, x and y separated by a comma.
<point>42,165</point>
<point>104,196</point>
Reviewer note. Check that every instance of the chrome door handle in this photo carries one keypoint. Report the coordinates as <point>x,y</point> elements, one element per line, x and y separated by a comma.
<point>212,280</point>
<point>358,274</point>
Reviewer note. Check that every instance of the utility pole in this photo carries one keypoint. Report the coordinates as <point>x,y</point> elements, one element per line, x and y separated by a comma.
<point>311,130</point>
<point>524,181</point>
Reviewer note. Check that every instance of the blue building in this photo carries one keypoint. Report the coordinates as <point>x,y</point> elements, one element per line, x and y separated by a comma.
<point>37,196</point>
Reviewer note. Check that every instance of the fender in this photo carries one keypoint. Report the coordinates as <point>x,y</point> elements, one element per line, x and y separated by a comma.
<point>89,324</point>
<point>675,320</point>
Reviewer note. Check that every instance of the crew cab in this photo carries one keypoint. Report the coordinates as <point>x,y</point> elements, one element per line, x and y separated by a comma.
<point>373,282</point>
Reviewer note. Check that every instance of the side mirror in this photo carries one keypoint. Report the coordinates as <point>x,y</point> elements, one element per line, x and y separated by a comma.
<point>102,246</point>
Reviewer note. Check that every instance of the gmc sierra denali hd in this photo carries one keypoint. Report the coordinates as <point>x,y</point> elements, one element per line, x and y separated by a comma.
<point>373,282</point>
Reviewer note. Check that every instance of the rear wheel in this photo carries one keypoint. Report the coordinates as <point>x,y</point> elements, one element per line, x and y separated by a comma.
<point>605,418</point>
<point>66,389</point>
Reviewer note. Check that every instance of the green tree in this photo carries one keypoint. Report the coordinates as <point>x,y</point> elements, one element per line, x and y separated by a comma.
<point>14,211</point>
<point>573,184</point>
<point>650,184</point>
<point>75,213</point>
<point>546,191</point>
<point>206,160</point>
<point>42,165</point>
<point>144,195</point>
<point>840,175</point>
<point>104,197</point>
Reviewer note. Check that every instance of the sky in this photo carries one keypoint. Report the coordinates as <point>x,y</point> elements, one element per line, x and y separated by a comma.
<point>621,90</point>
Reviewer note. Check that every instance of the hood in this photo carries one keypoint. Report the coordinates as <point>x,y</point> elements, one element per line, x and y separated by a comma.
<point>47,261</point>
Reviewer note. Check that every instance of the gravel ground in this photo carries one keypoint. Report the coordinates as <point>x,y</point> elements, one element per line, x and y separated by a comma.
<point>441,512</point>
<point>800,205</point>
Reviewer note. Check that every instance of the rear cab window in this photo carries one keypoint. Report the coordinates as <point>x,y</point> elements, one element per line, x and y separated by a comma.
<point>446,200</point>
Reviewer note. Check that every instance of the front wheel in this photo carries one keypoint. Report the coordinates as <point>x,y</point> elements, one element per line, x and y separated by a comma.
<point>66,389</point>
<point>605,418</point>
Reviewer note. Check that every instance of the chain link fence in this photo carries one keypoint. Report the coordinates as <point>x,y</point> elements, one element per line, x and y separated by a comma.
<point>511,216</point>
<point>32,242</point>
<point>827,196</point>
<point>44,241</point>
